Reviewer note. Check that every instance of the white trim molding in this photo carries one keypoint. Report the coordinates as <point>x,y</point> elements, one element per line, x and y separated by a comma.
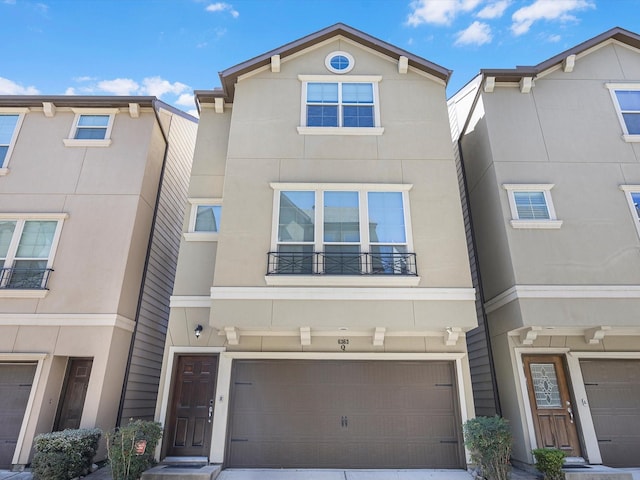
<point>189,301</point>
<point>68,320</point>
<point>346,293</point>
<point>561,291</point>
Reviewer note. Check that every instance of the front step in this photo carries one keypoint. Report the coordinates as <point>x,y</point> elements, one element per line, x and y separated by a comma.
<point>595,472</point>
<point>182,471</point>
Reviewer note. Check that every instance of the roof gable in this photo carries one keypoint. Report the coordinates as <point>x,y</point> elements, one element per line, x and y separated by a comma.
<point>229,77</point>
<point>515,75</point>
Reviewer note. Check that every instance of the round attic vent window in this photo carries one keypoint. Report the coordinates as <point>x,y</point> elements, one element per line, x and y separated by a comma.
<point>339,62</point>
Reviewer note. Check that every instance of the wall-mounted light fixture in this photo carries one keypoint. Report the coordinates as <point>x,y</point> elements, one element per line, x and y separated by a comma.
<point>198,331</point>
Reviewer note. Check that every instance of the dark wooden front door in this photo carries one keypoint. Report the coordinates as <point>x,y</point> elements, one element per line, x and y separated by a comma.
<point>551,407</point>
<point>191,408</point>
<point>74,391</point>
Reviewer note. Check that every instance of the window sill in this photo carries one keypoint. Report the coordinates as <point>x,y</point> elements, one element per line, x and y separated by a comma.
<point>342,280</point>
<point>4,171</point>
<point>340,130</point>
<point>540,224</point>
<point>18,293</point>
<point>201,236</point>
<point>631,138</point>
<point>73,142</point>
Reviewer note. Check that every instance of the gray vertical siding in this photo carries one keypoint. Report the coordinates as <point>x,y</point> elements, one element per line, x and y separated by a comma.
<point>478,346</point>
<point>143,375</point>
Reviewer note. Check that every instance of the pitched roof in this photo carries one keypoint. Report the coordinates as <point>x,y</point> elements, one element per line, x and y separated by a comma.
<point>513,75</point>
<point>229,77</point>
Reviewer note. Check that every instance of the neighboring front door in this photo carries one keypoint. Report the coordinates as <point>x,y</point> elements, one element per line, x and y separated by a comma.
<point>74,391</point>
<point>551,407</point>
<point>191,407</point>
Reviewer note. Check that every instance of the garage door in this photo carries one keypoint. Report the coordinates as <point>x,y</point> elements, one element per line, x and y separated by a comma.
<point>344,414</point>
<point>613,391</point>
<point>15,387</point>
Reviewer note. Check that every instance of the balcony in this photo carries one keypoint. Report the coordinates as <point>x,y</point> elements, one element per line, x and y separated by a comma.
<point>24,278</point>
<point>341,263</point>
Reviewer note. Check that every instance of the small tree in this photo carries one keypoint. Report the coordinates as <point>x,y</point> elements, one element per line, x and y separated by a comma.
<point>131,448</point>
<point>550,461</point>
<point>489,440</point>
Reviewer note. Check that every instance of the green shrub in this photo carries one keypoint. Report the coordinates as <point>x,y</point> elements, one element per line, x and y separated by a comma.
<point>64,455</point>
<point>126,464</point>
<point>550,461</point>
<point>489,441</point>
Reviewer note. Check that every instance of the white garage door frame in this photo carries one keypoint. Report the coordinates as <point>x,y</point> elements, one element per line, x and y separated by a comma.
<point>221,410</point>
<point>590,439</point>
<point>38,358</point>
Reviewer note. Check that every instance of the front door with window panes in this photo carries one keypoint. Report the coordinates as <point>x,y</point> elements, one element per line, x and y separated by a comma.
<point>25,246</point>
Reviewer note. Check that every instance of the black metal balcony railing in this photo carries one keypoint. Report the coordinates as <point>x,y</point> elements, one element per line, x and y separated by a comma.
<point>322,263</point>
<point>25,278</point>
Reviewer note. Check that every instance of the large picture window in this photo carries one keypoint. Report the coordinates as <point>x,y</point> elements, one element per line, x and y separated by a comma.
<point>10,123</point>
<point>342,231</point>
<point>27,248</point>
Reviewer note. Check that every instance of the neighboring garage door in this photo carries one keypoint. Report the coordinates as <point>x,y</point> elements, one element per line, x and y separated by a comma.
<point>613,391</point>
<point>344,414</point>
<point>15,387</point>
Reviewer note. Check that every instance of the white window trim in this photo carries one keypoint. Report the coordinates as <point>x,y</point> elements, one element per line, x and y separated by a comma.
<point>4,167</point>
<point>551,223</point>
<point>362,189</point>
<point>630,138</point>
<point>628,190</point>
<point>377,129</point>
<point>191,235</point>
<point>22,217</point>
<point>74,142</point>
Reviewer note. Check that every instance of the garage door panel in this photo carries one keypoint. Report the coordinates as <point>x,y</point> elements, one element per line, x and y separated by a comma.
<point>613,392</point>
<point>354,414</point>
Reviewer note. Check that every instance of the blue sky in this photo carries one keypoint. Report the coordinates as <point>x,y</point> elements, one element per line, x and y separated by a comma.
<point>169,48</point>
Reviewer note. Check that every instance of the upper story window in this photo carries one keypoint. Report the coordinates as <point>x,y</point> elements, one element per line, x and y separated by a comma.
<point>91,128</point>
<point>204,219</point>
<point>339,62</point>
<point>626,98</point>
<point>633,198</point>
<point>346,107</point>
<point>531,206</point>
<point>10,122</point>
<point>341,230</point>
<point>27,248</point>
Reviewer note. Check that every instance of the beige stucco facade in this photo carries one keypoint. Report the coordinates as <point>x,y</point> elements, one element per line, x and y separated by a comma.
<point>568,286</point>
<point>254,144</point>
<point>103,194</point>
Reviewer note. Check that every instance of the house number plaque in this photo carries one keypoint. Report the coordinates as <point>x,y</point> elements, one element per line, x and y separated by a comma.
<point>343,342</point>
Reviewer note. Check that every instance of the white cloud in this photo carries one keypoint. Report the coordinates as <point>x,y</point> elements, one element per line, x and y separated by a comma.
<point>494,10</point>
<point>9,87</point>
<point>70,91</point>
<point>119,86</point>
<point>440,12</point>
<point>186,100</point>
<point>546,10</point>
<point>84,79</point>
<point>223,7</point>
<point>477,33</point>
<point>158,87</point>
<point>9,2</point>
<point>193,113</point>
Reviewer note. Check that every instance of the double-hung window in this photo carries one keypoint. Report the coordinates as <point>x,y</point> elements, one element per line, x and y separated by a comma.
<point>10,122</point>
<point>626,98</point>
<point>531,206</point>
<point>633,198</point>
<point>27,248</point>
<point>91,127</point>
<point>342,230</point>
<point>347,106</point>
<point>204,219</point>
